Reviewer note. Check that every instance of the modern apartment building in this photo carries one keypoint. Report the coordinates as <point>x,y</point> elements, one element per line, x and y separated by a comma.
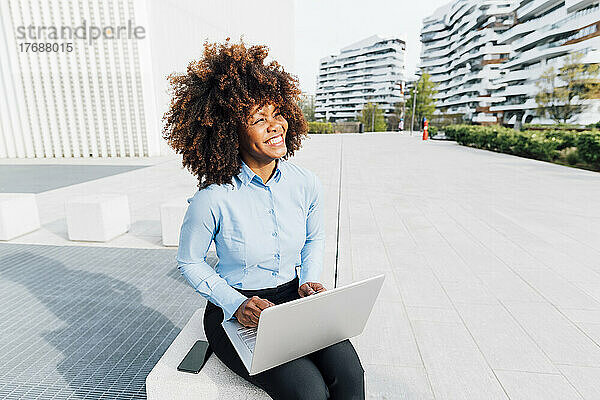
<point>487,55</point>
<point>368,71</point>
<point>545,33</point>
<point>66,94</point>
<point>462,54</point>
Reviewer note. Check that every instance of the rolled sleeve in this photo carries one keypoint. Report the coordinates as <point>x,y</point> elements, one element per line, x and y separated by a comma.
<point>197,232</point>
<point>312,252</point>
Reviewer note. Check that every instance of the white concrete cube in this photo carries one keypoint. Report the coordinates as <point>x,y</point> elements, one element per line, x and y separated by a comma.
<point>98,217</point>
<point>171,219</point>
<point>214,381</point>
<point>18,215</point>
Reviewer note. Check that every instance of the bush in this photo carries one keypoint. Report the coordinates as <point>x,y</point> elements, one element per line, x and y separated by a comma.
<point>588,148</point>
<point>550,127</point>
<point>594,126</point>
<point>320,127</point>
<point>572,157</point>
<point>546,145</point>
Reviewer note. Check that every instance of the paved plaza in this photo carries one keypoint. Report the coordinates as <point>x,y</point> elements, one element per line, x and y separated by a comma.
<point>492,267</point>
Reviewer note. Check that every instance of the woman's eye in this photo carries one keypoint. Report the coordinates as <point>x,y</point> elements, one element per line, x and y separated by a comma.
<point>258,120</point>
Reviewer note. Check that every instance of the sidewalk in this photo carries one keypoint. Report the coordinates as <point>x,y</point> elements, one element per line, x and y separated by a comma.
<point>492,276</point>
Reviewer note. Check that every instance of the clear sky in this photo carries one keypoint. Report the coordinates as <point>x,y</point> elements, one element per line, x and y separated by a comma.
<point>323,27</point>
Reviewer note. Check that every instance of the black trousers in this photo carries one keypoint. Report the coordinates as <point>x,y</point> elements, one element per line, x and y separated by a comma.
<point>334,372</point>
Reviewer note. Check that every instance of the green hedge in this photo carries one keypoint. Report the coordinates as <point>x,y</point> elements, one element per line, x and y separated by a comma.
<point>588,148</point>
<point>320,127</point>
<point>548,145</point>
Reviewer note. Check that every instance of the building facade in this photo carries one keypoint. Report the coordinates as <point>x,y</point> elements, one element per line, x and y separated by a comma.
<point>461,53</point>
<point>546,33</point>
<point>487,56</point>
<point>368,71</point>
<point>89,78</point>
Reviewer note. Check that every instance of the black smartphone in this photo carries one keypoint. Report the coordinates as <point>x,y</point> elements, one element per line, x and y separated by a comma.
<point>195,358</point>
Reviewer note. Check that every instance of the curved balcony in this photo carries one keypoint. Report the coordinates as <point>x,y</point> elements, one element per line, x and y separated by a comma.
<point>569,23</point>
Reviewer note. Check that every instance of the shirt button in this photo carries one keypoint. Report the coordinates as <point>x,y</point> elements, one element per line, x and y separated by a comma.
<point>271,211</point>
<point>274,234</point>
<point>277,256</point>
<point>274,273</point>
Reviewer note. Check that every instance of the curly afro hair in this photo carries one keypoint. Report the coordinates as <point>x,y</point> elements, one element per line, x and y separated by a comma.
<point>211,104</point>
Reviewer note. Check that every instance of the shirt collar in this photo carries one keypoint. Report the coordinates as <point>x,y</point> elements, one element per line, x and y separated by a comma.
<point>246,174</point>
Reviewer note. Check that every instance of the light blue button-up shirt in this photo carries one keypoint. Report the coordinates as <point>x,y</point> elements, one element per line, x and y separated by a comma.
<point>261,233</point>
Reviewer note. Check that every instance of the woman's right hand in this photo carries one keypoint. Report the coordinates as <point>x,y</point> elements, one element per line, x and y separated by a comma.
<point>249,311</point>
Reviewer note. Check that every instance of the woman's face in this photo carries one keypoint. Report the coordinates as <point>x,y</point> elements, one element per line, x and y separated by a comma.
<point>263,137</point>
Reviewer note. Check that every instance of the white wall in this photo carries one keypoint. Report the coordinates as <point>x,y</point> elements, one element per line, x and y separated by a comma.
<point>108,99</point>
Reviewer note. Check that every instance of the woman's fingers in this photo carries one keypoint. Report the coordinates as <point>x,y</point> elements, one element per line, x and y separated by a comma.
<point>261,303</point>
<point>317,287</point>
<point>254,307</point>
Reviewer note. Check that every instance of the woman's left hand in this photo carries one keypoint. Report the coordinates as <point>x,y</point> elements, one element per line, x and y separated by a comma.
<point>309,288</point>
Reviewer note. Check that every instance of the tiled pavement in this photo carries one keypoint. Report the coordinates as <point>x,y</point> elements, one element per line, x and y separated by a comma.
<point>39,178</point>
<point>492,263</point>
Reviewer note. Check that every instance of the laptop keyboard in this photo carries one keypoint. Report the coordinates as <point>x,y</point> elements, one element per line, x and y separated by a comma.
<point>248,336</point>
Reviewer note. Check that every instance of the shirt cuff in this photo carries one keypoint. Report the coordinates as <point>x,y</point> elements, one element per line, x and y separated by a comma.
<point>306,275</point>
<point>230,305</point>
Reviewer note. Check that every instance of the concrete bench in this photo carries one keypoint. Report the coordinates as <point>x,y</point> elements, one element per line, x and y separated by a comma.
<point>215,380</point>
<point>18,215</point>
<point>98,217</point>
<point>171,219</point>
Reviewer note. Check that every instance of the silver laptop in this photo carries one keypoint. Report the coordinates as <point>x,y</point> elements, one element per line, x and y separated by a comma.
<point>299,327</point>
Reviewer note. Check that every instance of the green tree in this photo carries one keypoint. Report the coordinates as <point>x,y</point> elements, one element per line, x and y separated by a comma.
<point>372,118</point>
<point>561,92</point>
<point>424,104</point>
<point>307,105</point>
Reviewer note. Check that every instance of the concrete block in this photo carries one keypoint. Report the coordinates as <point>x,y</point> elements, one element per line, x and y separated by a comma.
<point>18,215</point>
<point>214,381</point>
<point>171,219</point>
<point>98,217</point>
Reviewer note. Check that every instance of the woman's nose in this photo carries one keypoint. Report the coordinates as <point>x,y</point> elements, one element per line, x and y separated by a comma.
<point>273,125</point>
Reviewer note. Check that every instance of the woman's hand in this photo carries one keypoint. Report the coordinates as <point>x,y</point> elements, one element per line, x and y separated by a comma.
<point>309,288</point>
<point>249,311</point>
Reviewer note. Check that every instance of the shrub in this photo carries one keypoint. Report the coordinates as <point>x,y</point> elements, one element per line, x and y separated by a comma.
<point>572,157</point>
<point>320,127</point>
<point>594,126</point>
<point>588,148</point>
<point>546,145</point>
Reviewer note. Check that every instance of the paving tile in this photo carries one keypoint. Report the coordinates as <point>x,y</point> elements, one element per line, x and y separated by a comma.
<point>592,330</point>
<point>578,315</point>
<point>470,292</point>
<point>585,379</point>
<point>557,290</point>
<point>506,285</point>
<point>389,290</point>
<point>388,338</point>
<point>502,341</point>
<point>419,287</point>
<point>558,337</point>
<point>432,314</point>
<point>385,382</point>
<point>533,386</point>
<point>456,368</point>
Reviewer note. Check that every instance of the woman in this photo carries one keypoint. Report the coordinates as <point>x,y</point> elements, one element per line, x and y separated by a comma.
<point>235,120</point>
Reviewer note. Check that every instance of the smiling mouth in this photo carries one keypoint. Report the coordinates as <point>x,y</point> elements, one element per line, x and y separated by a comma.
<point>276,141</point>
